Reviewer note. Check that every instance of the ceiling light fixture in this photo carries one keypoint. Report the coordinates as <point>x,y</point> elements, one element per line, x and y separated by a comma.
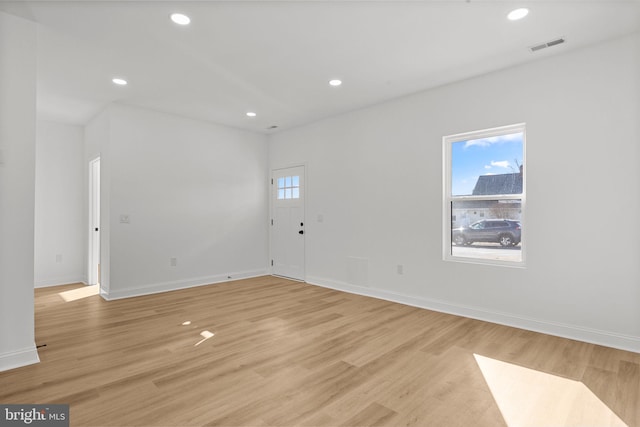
<point>335,82</point>
<point>119,81</point>
<point>180,19</point>
<point>517,14</point>
<point>251,114</point>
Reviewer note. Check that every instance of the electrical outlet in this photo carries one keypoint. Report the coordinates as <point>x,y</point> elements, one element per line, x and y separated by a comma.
<point>400,269</point>
<point>173,262</point>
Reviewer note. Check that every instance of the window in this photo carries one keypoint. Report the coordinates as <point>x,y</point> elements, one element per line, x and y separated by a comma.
<point>484,196</point>
<point>288,187</point>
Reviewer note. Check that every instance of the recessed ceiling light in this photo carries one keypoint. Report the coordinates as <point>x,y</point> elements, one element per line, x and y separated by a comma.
<point>251,114</point>
<point>516,14</point>
<point>180,19</point>
<point>335,82</point>
<point>119,81</point>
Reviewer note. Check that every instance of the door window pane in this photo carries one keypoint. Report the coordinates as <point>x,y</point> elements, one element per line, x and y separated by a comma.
<point>288,187</point>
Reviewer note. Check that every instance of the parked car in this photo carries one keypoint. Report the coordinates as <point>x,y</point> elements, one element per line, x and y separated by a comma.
<point>507,232</point>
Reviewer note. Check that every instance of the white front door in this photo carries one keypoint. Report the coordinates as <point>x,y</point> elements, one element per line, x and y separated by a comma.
<point>287,223</point>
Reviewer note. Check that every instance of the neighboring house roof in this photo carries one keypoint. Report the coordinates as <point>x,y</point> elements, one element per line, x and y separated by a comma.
<point>508,183</point>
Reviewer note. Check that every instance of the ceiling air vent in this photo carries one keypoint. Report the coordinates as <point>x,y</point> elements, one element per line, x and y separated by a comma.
<point>547,44</point>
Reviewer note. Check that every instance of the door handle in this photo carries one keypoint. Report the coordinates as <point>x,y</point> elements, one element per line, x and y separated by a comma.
<point>301,232</point>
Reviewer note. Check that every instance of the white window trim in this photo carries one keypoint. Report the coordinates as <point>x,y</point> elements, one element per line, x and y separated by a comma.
<point>447,143</point>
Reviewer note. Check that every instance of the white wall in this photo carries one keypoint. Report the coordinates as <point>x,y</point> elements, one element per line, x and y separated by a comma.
<point>17,190</point>
<point>192,190</point>
<point>376,177</point>
<point>60,211</point>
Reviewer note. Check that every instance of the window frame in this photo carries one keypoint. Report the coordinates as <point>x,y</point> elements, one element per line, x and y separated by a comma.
<point>448,198</point>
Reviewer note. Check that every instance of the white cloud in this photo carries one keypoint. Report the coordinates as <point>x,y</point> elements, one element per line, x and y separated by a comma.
<point>487,167</point>
<point>485,142</point>
<point>501,164</point>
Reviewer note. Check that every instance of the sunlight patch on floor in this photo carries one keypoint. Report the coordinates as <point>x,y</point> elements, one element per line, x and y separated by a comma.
<point>527,397</point>
<point>83,292</point>
<point>205,336</point>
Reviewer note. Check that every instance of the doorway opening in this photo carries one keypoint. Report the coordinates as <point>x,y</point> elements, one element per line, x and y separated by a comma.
<point>93,272</point>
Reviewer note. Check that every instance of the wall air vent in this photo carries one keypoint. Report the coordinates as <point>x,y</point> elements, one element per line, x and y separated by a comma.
<point>547,44</point>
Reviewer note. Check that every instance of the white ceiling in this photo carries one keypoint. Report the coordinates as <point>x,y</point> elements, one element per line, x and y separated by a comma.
<point>276,57</point>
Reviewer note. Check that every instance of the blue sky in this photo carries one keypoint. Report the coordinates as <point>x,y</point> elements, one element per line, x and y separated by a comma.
<point>486,156</point>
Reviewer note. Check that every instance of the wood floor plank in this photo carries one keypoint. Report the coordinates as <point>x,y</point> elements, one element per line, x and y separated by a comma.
<point>272,352</point>
<point>373,415</point>
<point>628,389</point>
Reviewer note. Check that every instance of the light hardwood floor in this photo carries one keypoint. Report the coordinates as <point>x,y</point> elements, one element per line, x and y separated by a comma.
<point>269,351</point>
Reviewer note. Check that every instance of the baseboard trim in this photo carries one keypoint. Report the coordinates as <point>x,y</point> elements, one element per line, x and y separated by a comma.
<point>156,288</point>
<point>593,336</point>
<point>66,280</point>
<point>19,358</point>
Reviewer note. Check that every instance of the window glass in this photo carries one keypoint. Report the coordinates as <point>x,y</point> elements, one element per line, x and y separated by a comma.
<point>487,166</point>
<point>484,196</point>
<point>288,187</point>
